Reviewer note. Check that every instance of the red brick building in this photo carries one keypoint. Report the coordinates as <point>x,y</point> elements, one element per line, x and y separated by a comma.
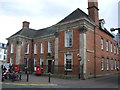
<point>58,48</point>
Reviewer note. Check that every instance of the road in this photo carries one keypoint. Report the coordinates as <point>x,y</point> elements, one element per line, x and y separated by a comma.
<point>103,82</point>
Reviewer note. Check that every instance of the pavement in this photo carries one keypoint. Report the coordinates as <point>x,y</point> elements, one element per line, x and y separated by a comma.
<point>104,82</point>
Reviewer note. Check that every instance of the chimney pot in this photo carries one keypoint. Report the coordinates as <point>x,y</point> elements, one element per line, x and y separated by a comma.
<point>26,24</point>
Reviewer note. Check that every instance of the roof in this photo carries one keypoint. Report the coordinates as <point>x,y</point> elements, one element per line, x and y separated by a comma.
<point>77,14</point>
<point>106,31</point>
<point>101,23</point>
<point>27,32</point>
<point>45,31</point>
<point>32,33</point>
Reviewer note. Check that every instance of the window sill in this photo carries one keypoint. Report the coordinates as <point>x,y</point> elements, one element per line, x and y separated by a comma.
<point>69,47</point>
<point>68,70</point>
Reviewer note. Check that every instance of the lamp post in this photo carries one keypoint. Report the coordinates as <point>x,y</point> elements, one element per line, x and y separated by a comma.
<point>53,65</point>
<point>113,29</point>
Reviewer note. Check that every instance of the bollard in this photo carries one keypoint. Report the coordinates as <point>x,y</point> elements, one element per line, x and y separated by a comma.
<point>20,76</point>
<point>49,77</point>
<point>27,76</point>
<point>79,76</point>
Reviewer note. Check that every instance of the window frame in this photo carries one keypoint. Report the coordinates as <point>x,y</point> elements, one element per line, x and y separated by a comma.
<point>4,57</point>
<point>27,48</point>
<point>67,38</point>
<point>66,62</point>
<point>102,63</point>
<point>111,46</point>
<point>49,46</point>
<point>35,63</point>
<point>107,64</point>
<point>5,51</point>
<point>114,49</point>
<point>42,63</point>
<point>107,45</point>
<point>111,64</point>
<point>102,43</point>
<point>115,64</point>
<point>42,48</point>
<point>11,61</point>
<point>12,48</point>
<point>35,48</point>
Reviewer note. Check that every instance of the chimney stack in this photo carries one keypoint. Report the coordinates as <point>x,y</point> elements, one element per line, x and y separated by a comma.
<point>26,24</point>
<point>93,10</point>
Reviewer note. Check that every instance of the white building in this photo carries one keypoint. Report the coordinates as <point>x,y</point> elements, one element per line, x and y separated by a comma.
<point>117,38</point>
<point>3,53</point>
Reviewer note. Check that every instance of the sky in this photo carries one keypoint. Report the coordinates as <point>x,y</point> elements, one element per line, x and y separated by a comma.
<point>45,13</point>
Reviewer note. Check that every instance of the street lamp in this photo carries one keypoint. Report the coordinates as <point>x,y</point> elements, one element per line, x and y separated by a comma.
<point>113,29</point>
<point>53,65</point>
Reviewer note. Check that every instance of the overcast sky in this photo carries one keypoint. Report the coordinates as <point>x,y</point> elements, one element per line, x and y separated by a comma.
<point>44,13</point>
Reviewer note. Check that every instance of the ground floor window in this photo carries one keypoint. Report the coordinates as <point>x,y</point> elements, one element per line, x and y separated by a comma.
<point>34,64</point>
<point>68,61</point>
<point>111,64</point>
<point>107,64</point>
<point>11,61</point>
<point>102,63</point>
<point>41,63</point>
<point>115,66</point>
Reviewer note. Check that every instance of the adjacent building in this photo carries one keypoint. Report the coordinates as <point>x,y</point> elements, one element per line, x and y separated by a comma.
<point>77,45</point>
<point>3,53</point>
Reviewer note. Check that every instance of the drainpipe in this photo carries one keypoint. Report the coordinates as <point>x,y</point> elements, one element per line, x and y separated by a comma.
<point>31,58</point>
<point>95,53</point>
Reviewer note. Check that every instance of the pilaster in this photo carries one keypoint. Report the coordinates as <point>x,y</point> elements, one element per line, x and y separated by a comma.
<point>56,55</point>
<point>82,50</point>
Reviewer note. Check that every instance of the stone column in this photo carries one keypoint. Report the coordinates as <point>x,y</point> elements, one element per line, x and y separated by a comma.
<point>56,55</point>
<point>82,50</point>
<point>18,52</point>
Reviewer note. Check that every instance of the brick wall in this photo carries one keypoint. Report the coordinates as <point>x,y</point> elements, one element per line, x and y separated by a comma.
<point>103,53</point>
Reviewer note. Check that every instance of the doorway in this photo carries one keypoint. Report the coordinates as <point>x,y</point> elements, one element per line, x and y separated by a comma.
<point>49,65</point>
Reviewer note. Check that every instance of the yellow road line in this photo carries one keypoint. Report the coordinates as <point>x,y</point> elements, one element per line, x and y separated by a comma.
<point>30,84</point>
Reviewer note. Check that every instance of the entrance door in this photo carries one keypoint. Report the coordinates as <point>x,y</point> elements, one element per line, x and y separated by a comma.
<point>26,62</point>
<point>49,65</point>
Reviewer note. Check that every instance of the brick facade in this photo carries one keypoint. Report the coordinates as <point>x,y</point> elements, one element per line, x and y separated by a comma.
<point>86,41</point>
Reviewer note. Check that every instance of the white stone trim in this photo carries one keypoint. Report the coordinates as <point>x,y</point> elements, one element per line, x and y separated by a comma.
<point>56,50</point>
<point>90,51</point>
<point>82,51</point>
